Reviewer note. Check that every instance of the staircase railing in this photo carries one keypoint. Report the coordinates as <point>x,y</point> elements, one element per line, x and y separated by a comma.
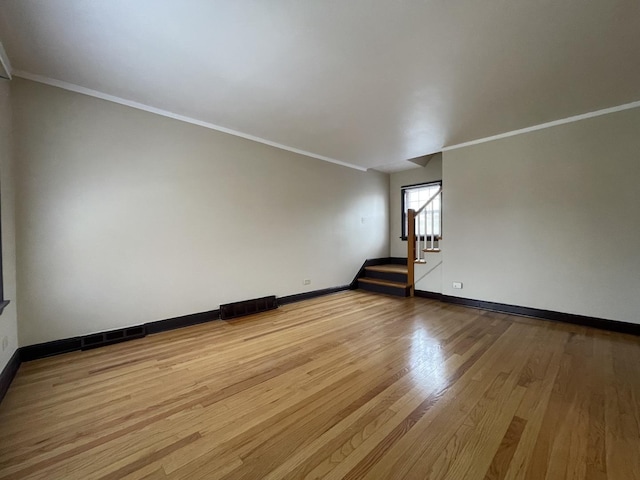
<point>420,238</point>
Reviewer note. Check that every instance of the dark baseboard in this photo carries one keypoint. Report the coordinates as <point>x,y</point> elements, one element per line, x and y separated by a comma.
<point>243,308</point>
<point>601,323</point>
<point>66,345</point>
<point>8,373</point>
<point>184,321</point>
<point>101,339</point>
<point>56,347</point>
<point>84,342</point>
<point>431,295</point>
<point>48,349</point>
<point>298,297</point>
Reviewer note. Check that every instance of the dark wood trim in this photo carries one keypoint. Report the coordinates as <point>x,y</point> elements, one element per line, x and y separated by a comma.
<point>431,295</point>
<point>388,276</point>
<point>422,184</point>
<point>9,372</point>
<point>370,262</point>
<point>183,321</point>
<point>49,349</point>
<point>396,291</point>
<point>298,297</point>
<point>411,249</point>
<point>396,260</point>
<point>102,339</point>
<point>436,238</point>
<point>66,345</point>
<point>403,233</point>
<point>229,311</point>
<point>601,323</point>
<point>56,347</point>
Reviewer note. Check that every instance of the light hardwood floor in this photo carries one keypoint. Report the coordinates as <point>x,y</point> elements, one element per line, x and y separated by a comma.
<point>351,385</point>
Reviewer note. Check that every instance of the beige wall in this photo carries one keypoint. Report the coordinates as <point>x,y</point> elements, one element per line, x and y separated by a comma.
<point>8,319</point>
<point>428,277</point>
<point>126,217</point>
<point>548,219</point>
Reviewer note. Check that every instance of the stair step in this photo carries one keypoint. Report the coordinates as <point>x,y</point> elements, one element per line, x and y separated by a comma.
<point>431,250</point>
<point>388,268</point>
<point>387,287</point>
<point>386,283</point>
<point>419,262</point>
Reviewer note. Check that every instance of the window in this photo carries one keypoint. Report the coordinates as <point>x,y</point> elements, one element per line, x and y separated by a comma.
<point>415,196</point>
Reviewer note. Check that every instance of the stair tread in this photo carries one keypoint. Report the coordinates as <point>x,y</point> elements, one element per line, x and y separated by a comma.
<point>388,268</point>
<point>431,250</point>
<point>383,282</point>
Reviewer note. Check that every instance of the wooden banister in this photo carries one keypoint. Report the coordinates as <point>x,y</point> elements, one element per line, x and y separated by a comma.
<point>433,197</point>
<point>413,254</point>
<point>411,249</point>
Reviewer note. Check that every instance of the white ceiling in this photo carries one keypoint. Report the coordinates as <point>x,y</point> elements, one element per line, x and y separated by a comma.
<point>370,83</point>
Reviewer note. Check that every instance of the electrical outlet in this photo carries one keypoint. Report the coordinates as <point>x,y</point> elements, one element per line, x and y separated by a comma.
<point>5,343</point>
<point>306,282</point>
<point>457,285</point>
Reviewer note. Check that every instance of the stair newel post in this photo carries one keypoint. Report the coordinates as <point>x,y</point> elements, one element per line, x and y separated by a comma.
<point>440,219</point>
<point>411,248</point>
<point>433,225</point>
<point>417,232</point>
<point>426,233</point>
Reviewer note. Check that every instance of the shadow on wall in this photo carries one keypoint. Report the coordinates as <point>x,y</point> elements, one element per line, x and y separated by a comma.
<point>428,271</point>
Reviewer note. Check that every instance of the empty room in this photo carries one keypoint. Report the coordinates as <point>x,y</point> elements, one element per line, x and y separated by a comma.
<point>318,239</point>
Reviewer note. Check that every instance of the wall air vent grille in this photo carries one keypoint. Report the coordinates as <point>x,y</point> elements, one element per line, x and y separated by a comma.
<point>248,307</point>
<point>113,336</point>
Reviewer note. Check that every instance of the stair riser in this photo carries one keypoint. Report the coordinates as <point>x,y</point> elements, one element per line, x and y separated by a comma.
<point>389,276</point>
<point>396,291</point>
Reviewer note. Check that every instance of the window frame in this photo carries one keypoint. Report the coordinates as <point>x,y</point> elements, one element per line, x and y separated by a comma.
<point>403,215</point>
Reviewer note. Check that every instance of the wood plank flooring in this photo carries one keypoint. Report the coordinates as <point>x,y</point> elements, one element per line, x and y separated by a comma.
<point>351,385</point>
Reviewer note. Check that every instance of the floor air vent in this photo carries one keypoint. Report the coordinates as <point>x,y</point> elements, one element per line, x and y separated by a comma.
<point>114,336</point>
<point>247,307</point>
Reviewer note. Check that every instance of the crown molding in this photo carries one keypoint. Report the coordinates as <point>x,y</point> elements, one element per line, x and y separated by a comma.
<point>182,118</point>
<point>542,126</point>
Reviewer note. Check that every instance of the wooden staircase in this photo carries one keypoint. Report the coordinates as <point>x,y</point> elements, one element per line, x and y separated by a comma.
<point>390,279</point>
<point>423,237</point>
